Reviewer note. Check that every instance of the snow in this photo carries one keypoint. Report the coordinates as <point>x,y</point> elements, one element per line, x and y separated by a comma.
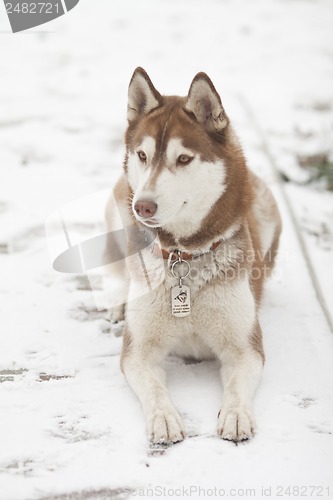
<point>70,425</point>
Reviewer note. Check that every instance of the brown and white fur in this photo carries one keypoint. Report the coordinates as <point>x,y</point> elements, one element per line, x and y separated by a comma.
<point>186,180</point>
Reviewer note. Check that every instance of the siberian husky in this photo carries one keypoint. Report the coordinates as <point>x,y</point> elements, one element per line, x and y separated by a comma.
<point>213,229</point>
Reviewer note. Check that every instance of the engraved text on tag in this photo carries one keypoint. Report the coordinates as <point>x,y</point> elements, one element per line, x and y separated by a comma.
<point>181,301</point>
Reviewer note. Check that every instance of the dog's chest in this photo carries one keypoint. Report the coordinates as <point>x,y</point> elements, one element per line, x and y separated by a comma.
<point>220,302</point>
<point>186,281</point>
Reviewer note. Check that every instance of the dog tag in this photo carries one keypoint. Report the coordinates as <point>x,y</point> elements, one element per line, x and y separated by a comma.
<point>181,302</point>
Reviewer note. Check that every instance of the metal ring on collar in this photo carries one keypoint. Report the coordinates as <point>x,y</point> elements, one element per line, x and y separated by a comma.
<point>180,262</point>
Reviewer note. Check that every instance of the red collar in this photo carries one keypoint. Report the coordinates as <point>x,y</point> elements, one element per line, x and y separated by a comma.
<point>157,251</point>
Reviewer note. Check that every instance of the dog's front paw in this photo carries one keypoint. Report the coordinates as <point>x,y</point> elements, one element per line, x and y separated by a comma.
<point>235,424</point>
<point>165,426</point>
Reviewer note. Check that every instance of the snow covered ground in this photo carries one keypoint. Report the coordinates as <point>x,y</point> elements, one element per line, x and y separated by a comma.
<point>70,428</point>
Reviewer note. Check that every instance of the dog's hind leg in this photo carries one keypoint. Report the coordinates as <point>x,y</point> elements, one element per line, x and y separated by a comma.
<point>269,223</point>
<point>117,217</point>
<point>271,254</point>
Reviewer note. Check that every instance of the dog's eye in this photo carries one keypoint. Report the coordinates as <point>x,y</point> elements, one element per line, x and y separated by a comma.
<point>142,155</point>
<point>184,159</point>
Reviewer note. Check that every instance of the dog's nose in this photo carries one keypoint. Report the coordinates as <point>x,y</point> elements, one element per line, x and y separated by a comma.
<point>145,209</point>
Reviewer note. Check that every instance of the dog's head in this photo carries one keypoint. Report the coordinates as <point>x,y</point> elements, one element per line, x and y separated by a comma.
<point>177,151</point>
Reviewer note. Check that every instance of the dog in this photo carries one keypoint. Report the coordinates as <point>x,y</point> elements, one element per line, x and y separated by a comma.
<point>212,231</point>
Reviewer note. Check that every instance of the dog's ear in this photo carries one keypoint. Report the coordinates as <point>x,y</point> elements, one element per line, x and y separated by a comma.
<point>142,95</point>
<point>205,103</point>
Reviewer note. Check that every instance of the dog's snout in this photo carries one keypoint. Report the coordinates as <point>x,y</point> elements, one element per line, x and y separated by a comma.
<point>145,209</point>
